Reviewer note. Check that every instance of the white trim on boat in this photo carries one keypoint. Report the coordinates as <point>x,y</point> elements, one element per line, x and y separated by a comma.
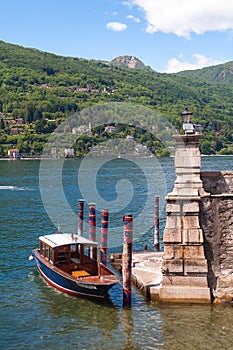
<point>60,239</point>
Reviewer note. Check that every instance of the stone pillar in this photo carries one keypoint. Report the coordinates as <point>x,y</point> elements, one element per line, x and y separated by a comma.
<point>184,265</point>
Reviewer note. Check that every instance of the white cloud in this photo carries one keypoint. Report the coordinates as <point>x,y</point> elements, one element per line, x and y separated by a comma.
<point>116,26</point>
<point>135,19</point>
<point>127,3</point>
<point>200,61</point>
<point>182,17</point>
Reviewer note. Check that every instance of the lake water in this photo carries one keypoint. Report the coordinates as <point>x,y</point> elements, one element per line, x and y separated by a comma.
<point>34,200</point>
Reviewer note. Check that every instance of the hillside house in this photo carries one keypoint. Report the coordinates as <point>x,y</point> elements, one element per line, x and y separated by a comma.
<point>19,121</point>
<point>15,131</point>
<point>69,153</point>
<point>13,153</point>
<point>110,128</point>
<point>82,129</point>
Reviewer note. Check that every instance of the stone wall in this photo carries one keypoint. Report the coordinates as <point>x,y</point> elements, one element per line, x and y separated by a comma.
<point>184,265</point>
<point>216,220</point>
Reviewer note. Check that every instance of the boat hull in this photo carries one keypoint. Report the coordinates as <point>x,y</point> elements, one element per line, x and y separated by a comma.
<point>67,284</point>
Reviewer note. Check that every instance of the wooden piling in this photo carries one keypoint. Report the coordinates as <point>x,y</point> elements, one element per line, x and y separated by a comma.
<point>92,227</point>
<point>104,236</point>
<point>80,216</point>
<point>127,258</point>
<point>92,222</point>
<point>156,223</point>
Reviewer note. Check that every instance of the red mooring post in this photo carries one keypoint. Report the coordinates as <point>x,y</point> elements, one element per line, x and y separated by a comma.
<point>127,258</point>
<point>92,227</point>
<point>156,223</point>
<point>104,236</point>
<point>80,216</point>
<point>92,222</point>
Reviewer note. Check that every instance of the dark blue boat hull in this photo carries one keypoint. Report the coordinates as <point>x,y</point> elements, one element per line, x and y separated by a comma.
<point>70,285</point>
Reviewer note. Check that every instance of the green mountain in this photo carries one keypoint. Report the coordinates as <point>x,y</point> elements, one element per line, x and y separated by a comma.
<point>129,62</point>
<point>222,73</point>
<point>39,90</point>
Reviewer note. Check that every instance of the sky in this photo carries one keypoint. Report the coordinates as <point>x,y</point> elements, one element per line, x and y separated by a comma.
<point>168,35</point>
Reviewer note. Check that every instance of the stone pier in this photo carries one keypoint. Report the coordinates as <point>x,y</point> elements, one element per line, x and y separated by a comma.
<point>197,263</point>
<point>184,266</point>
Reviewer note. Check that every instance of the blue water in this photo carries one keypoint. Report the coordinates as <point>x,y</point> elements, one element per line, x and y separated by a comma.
<point>34,315</point>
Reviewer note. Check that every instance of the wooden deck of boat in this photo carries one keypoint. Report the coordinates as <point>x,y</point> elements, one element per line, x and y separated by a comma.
<point>98,279</point>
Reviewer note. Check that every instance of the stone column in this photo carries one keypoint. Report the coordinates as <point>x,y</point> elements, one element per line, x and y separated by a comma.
<point>184,265</point>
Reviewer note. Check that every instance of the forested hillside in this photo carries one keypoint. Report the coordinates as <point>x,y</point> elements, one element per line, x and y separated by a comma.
<point>222,73</point>
<point>39,90</point>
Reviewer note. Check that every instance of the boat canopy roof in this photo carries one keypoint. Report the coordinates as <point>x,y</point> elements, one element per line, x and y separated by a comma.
<point>60,239</point>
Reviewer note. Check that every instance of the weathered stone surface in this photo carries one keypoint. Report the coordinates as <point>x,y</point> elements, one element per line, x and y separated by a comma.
<point>194,251</point>
<point>191,281</point>
<point>191,207</point>
<point>182,206</point>
<point>184,294</point>
<point>218,182</point>
<point>216,220</point>
<point>185,190</point>
<point>172,235</point>
<point>184,257</point>
<point>172,266</point>
<point>190,178</point>
<point>173,252</point>
<point>173,207</point>
<point>183,160</point>
<point>193,235</point>
<point>190,221</point>
<point>195,266</point>
<point>173,221</point>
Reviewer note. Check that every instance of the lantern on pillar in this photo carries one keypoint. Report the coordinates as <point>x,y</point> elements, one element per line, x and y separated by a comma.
<point>188,126</point>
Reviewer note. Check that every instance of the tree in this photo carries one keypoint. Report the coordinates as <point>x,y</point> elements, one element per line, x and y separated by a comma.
<point>205,147</point>
<point>2,124</point>
<point>39,125</point>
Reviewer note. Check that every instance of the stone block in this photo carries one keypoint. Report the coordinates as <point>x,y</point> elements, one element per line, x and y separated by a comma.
<point>172,266</point>
<point>192,181</point>
<point>195,266</point>
<point>188,180</point>
<point>185,160</point>
<point>190,221</point>
<point>182,206</point>
<point>194,252</point>
<point>169,252</point>
<point>172,235</point>
<point>188,281</point>
<point>190,207</point>
<point>184,294</point>
<point>173,222</point>
<point>174,207</point>
<point>173,252</point>
<point>185,190</point>
<point>192,235</point>
<point>193,149</point>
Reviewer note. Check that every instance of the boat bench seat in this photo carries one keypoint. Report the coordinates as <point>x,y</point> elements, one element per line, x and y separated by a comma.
<point>80,273</point>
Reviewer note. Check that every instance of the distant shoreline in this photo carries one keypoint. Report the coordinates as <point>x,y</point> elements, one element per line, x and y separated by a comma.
<point>64,158</point>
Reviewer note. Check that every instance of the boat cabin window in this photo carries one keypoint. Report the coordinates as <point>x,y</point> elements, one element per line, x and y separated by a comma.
<point>46,251</point>
<point>86,250</point>
<point>42,248</point>
<point>62,255</point>
<point>73,247</point>
<point>51,254</point>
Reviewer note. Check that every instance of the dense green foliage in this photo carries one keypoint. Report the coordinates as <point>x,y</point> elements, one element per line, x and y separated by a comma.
<point>44,89</point>
<point>221,73</point>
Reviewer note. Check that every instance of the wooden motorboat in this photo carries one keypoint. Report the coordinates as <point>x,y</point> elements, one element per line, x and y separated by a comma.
<point>70,263</point>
